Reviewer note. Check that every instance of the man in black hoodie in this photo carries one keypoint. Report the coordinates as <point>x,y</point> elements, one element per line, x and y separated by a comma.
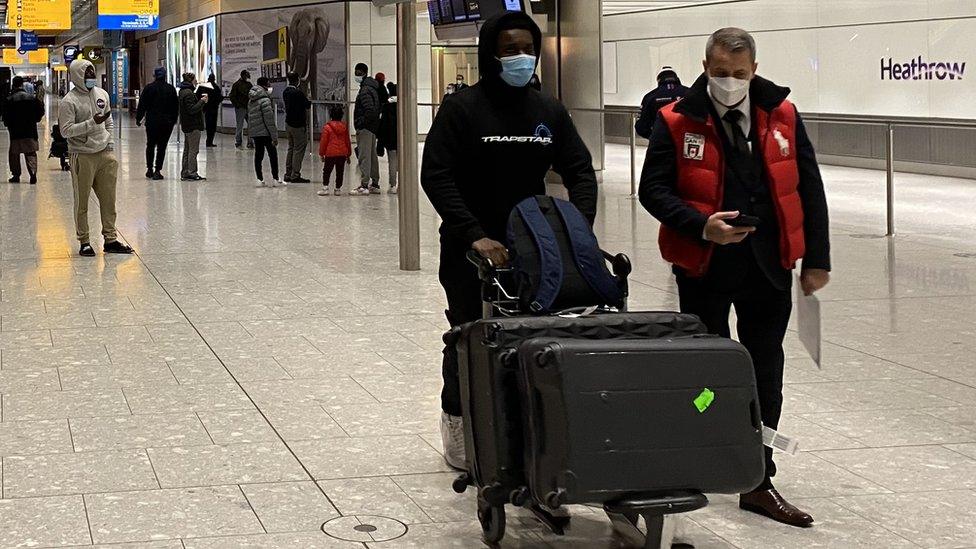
<point>490,147</point>
<point>366,121</point>
<point>160,108</point>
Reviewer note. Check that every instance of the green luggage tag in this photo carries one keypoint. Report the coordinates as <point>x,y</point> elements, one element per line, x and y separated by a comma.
<point>704,400</point>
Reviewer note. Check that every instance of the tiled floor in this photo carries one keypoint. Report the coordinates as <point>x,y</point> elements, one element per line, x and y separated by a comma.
<point>261,368</point>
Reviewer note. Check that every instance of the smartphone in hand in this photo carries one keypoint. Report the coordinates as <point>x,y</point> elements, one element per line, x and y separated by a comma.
<point>743,220</point>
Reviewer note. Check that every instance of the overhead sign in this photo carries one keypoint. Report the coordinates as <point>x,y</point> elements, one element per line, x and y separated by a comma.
<point>11,57</point>
<point>128,14</point>
<point>39,14</point>
<point>71,53</point>
<point>26,40</point>
<point>91,53</point>
<point>38,57</point>
<point>14,57</point>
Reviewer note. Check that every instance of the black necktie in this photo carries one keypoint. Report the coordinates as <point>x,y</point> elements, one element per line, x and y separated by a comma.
<point>739,140</point>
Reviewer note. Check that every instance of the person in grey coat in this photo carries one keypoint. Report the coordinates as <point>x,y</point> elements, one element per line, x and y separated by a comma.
<point>192,125</point>
<point>263,130</point>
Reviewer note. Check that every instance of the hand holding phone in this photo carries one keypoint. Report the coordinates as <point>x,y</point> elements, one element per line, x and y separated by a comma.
<point>743,220</point>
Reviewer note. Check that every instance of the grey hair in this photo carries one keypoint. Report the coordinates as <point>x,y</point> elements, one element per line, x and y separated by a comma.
<point>733,40</point>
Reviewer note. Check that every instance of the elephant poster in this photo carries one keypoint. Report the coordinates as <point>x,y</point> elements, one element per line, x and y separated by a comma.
<point>309,40</point>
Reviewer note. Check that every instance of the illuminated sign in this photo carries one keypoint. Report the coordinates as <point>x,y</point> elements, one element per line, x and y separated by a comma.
<point>14,57</point>
<point>39,14</point>
<point>128,14</point>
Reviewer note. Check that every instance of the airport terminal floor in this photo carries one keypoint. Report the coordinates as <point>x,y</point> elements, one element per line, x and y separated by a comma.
<point>261,374</point>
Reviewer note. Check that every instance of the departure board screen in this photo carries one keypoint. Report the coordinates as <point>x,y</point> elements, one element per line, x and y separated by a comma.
<point>449,12</point>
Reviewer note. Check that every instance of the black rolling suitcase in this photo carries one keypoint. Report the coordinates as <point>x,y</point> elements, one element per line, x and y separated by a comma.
<point>605,420</point>
<point>488,360</point>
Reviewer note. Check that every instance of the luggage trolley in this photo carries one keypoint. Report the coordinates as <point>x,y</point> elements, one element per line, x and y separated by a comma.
<point>499,301</point>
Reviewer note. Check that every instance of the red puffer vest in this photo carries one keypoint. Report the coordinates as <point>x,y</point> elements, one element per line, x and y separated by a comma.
<point>701,181</point>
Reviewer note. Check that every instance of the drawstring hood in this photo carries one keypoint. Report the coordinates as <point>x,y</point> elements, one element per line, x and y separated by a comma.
<point>488,64</point>
<point>76,73</point>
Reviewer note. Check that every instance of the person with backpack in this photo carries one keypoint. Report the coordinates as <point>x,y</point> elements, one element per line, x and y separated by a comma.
<point>21,113</point>
<point>489,148</point>
<point>335,149</point>
<point>387,137</point>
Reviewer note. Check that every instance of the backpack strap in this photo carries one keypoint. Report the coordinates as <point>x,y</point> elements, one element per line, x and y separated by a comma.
<point>587,254</point>
<point>551,265</point>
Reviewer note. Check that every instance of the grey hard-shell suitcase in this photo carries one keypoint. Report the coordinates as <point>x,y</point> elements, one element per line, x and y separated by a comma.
<point>609,419</point>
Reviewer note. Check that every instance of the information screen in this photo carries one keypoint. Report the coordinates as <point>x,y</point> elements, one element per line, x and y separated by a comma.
<point>449,12</point>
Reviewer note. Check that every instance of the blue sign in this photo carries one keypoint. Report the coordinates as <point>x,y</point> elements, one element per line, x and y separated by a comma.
<point>28,41</point>
<point>128,22</point>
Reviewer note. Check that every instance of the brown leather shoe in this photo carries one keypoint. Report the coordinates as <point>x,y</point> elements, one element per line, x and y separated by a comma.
<point>769,503</point>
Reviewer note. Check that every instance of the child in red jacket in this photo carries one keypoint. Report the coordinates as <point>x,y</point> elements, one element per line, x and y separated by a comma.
<point>335,150</point>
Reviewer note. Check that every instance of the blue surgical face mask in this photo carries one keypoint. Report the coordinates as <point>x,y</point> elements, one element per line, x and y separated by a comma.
<point>517,70</point>
<point>90,83</point>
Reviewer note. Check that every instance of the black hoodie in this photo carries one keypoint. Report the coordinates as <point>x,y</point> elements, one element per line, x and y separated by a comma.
<point>492,144</point>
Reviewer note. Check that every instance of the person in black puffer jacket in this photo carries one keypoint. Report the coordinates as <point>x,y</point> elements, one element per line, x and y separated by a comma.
<point>21,113</point>
<point>366,121</point>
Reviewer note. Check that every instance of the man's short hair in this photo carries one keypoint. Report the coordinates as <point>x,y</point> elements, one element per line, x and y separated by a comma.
<point>732,40</point>
<point>245,75</point>
<point>188,76</point>
<point>294,79</point>
<point>264,82</point>
<point>17,82</point>
<point>362,67</point>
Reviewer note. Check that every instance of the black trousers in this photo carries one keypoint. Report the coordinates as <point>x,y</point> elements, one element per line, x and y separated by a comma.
<point>157,139</point>
<point>338,163</point>
<point>460,281</point>
<point>763,313</point>
<point>211,119</point>
<point>262,144</point>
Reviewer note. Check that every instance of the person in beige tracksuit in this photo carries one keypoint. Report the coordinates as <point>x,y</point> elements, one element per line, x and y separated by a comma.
<point>85,119</point>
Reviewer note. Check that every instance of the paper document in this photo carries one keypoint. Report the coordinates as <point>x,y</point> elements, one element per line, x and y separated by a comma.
<point>808,322</point>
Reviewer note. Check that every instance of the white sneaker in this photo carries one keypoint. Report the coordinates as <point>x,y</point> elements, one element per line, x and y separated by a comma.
<point>282,182</point>
<point>359,191</point>
<point>261,183</point>
<point>394,189</point>
<point>337,192</point>
<point>452,436</point>
<point>324,191</point>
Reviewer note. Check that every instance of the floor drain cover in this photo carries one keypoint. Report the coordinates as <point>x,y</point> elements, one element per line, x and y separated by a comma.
<point>364,528</point>
<point>966,255</point>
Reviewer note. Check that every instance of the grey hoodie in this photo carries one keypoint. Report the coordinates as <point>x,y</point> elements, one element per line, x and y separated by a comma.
<point>75,115</point>
<point>261,114</point>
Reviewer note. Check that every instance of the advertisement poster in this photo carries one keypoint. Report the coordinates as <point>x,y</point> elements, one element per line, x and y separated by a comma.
<point>192,48</point>
<point>308,40</point>
<point>120,76</point>
<point>39,14</point>
<point>128,14</point>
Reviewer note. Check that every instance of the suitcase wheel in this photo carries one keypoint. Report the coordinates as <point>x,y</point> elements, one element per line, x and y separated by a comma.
<point>461,483</point>
<point>556,498</point>
<point>492,519</point>
<point>519,497</point>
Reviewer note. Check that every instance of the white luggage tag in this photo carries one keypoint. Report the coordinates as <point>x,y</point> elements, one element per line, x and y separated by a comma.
<point>779,442</point>
<point>784,143</point>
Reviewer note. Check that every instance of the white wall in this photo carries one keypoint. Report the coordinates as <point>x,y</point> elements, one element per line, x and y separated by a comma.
<point>372,40</point>
<point>828,51</point>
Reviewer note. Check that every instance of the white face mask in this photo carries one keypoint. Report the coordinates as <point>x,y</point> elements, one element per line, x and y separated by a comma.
<point>727,90</point>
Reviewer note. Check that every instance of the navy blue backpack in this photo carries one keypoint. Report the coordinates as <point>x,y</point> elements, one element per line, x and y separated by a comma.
<point>557,261</point>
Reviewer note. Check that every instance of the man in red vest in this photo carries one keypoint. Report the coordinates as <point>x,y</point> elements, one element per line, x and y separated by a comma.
<point>732,176</point>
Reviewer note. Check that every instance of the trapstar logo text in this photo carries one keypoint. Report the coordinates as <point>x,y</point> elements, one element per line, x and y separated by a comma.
<point>919,69</point>
<point>517,139</point>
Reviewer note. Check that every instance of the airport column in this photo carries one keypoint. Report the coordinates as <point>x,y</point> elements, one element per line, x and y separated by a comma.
<point>409,193</point>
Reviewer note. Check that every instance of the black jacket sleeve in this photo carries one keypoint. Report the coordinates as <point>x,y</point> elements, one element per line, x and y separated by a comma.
<point>145,103</point>
<point>442,158</point>
<point>645,122</point>
<point>658,185</point>
<point>575,165</point>
<point>816,224</point>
